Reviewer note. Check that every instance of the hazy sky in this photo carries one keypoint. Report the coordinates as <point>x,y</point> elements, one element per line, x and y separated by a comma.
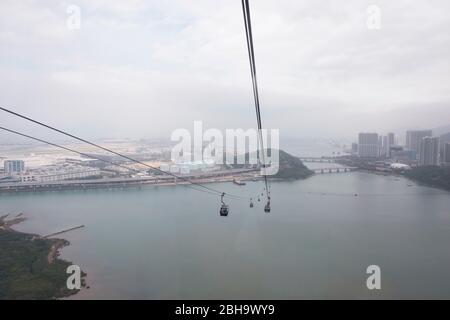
<point>144,68</point>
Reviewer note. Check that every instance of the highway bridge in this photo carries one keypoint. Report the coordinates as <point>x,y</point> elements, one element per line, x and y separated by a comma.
<point>318,159</point>
<point>334,170</point>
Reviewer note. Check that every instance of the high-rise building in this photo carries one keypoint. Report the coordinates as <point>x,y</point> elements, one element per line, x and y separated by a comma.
<point>447,153</point>
<point>414,137</point>
<point>429,151</point>
<point>354,148</point>
<point>391,138</point>
<point>443,139</point>
<point>368,145</point>
<point>382,145</point>
<point>14,166</point>
<point>390,143</point>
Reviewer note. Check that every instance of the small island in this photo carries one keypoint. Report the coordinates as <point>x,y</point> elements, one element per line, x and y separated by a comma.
<point>30,268</point>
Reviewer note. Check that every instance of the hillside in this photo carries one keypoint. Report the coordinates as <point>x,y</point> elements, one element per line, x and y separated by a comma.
<point>290,167</point>
<point>433,176</point>
<point>27,268</point>
<point>441,130</point>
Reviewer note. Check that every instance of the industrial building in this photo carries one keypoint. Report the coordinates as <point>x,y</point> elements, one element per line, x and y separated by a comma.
<point>58,173</point>
<point>186,168</point>
<point>14,167</point>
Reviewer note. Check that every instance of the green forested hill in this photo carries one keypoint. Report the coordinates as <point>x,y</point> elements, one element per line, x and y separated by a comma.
<point>290,167</point>
<point>431,175</point>
<point>25,272</point>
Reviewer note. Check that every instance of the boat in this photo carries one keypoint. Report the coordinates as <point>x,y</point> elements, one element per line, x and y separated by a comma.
<point>239,183</point>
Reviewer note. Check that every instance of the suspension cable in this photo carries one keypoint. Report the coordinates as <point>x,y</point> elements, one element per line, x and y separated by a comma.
<point>86,155</point>
<point>251,56</point>
<point>218,192</point>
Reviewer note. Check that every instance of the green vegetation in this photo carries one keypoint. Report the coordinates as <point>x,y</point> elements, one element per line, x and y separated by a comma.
<point>291,168</point>
<point>431,175</point>
<point>25,272</point>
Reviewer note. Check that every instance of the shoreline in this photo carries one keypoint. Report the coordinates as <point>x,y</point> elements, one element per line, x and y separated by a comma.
<point>247,175</point>
<point>38,259</point>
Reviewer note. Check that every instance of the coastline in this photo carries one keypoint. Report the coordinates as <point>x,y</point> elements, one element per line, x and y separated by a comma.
<point>33,262</point>
<point>127,183</point>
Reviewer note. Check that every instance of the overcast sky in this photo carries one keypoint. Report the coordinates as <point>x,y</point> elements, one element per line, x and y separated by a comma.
<point>144,68</point>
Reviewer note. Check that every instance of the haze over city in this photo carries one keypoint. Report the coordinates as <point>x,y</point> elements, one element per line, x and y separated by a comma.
<point>211,151</point>
<point>141,69</point>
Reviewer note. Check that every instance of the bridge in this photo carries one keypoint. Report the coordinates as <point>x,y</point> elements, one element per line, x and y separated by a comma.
<point>334,170</point>
<point>63,231</point>
<point>318,159</point>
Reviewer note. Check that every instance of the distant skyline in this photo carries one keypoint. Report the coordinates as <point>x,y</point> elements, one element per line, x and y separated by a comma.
<point>141,69</point>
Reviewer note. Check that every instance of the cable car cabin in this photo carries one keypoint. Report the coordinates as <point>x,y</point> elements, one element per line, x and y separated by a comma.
<point>251,204</point>
<point>224,210</point>
<point>267,207</point>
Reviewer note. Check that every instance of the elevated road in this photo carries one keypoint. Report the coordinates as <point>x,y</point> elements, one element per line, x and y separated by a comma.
<point>121,182</point>
<point>334,170</point>
<point>318,159</point>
